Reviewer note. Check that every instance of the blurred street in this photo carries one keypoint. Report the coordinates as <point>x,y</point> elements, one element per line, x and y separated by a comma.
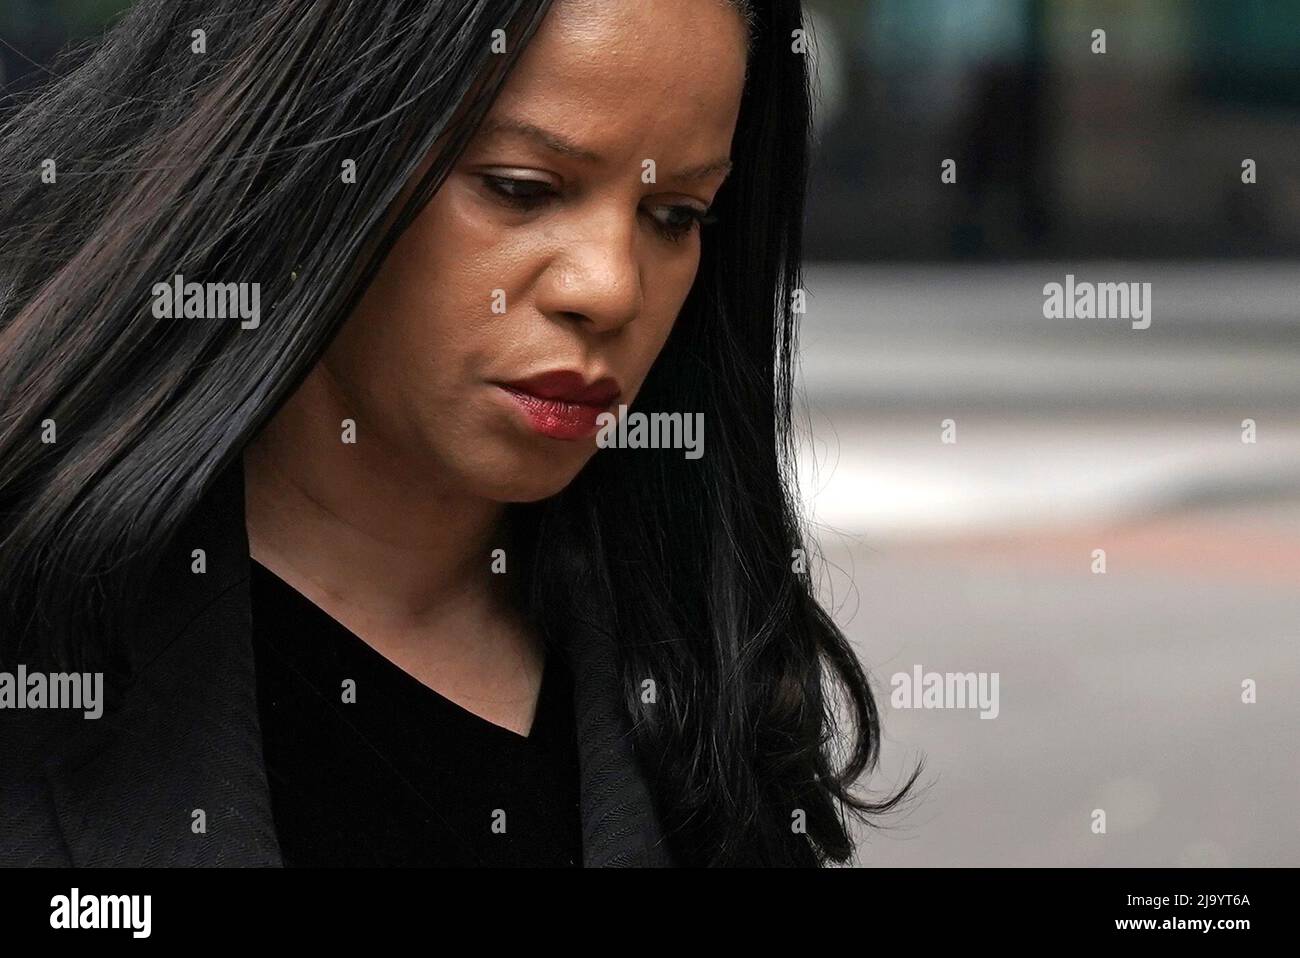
<point>1119,691</point>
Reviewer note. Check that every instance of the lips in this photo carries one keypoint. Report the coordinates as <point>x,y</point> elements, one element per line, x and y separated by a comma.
<point>562,405</point>
<point>568,387</point>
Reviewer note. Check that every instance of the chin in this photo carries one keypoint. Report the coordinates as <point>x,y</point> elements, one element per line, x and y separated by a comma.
<point>529,482</point>
<point>534,489</point>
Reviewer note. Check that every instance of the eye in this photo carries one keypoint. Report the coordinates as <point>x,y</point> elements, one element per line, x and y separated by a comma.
<point>530,194</point>
<point>522,194</point>
<point>689,218</point>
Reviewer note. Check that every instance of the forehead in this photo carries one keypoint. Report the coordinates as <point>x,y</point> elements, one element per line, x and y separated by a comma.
<point>670,71</point>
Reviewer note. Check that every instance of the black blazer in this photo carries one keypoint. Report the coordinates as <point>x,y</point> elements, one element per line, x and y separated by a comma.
<point>183,734</point>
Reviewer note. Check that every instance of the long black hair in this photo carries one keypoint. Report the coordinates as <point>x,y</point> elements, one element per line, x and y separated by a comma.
<point>228,164</point>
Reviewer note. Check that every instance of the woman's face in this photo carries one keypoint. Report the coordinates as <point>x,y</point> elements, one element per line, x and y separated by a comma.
<point>539,284</point>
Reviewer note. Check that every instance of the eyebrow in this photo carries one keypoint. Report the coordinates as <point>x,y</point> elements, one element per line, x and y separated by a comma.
<point>564,147</point>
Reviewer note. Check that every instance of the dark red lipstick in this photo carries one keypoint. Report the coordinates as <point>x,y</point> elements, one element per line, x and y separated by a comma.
<point>563,405</point>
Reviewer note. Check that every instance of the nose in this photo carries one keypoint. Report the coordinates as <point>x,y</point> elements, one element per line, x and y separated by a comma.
<point>596,279</point>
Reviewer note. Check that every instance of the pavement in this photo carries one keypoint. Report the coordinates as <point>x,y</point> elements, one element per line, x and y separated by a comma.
<point>1120,691</point>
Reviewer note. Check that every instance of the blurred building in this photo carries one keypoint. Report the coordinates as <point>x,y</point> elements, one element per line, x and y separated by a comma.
<point>1060,151</point>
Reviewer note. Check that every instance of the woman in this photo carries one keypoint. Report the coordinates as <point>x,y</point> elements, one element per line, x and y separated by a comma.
<point>313,331</point>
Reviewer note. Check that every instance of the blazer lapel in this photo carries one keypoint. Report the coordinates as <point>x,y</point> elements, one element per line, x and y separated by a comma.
<point>620,826</point>
<point>175,775</point>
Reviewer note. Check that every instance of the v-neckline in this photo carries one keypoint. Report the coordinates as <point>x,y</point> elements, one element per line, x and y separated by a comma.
<point>537,733</point>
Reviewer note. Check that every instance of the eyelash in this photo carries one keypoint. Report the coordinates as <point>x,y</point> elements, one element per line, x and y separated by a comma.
<point>674,234</point>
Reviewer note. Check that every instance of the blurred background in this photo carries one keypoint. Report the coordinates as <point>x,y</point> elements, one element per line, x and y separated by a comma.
<point>1122,690</point>
<point>1119,690</point>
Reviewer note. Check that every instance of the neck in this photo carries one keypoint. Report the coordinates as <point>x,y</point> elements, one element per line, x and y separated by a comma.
<point>361,527</point>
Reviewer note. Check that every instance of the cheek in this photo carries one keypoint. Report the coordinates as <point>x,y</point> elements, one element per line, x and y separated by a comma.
<point>469,267</point>
<point>428,312</point>
<point>672,284</point>
<point>456,252</point>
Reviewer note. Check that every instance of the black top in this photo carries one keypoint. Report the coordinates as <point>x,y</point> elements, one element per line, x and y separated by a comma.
<point>392,773</point>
